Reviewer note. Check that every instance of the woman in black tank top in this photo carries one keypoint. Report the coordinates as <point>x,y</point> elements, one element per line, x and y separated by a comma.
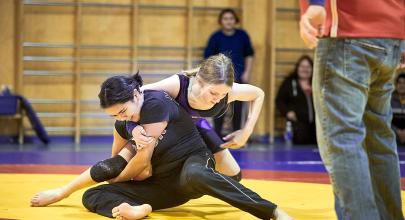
<point>206,92</point>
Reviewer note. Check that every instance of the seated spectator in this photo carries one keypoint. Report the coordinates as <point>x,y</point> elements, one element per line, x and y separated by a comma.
<point>398,109</point>
<point>294,101</point>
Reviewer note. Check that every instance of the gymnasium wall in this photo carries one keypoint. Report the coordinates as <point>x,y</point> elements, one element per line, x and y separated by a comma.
<point>67,48</point>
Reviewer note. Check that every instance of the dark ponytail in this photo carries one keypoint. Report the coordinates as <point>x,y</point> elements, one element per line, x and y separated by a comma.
<point>138,79</point>
<point>119,89</point>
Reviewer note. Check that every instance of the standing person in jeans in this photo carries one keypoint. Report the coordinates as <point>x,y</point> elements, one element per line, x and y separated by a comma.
<point>359,44</point>
<point>235,43</point>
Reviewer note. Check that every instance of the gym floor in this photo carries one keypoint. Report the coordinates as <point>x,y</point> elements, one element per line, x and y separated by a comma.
<point>292,177</point>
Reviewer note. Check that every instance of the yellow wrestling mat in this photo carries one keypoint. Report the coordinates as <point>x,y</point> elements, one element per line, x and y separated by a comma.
<point>304,201</point>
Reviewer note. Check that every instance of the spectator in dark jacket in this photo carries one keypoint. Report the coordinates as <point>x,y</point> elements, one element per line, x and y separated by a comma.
<point>398,109</point>
<point>294,101</point>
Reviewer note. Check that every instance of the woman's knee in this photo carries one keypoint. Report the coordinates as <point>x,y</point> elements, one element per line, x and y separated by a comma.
<point>108,169</point>
<point>237,177</point>
<point>226,163</point>
<point>193,172</point>
<point>89,198</point>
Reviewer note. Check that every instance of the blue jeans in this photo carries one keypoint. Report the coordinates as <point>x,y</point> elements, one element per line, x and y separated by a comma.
<point>352,86</point>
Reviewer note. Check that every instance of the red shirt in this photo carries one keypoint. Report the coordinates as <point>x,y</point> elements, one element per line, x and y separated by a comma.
<point>364,18</point>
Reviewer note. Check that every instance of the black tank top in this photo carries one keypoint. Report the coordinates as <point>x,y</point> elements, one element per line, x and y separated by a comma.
<point>182,98</point>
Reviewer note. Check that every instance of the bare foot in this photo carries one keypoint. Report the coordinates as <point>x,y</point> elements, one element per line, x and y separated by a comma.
<point>128,212</point>
<point>47,197</point>
<point>279,214</point>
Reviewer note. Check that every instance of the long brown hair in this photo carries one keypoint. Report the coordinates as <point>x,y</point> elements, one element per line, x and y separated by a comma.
<point>216,69</point>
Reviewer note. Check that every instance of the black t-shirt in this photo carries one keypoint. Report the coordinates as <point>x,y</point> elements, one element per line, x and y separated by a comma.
<point>181,138</point>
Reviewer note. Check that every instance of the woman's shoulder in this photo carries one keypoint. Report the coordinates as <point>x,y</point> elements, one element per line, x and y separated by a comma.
<point>289,78</point>
<point>217,34</point>
<point>155,100</point>
<point>182,76</point>
<point>241,32</point>
<point>156,96</point>
<point>158,106</point>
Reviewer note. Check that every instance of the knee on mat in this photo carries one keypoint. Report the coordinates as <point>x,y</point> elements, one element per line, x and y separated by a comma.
<point>195,173</point>
<point>89,199</point>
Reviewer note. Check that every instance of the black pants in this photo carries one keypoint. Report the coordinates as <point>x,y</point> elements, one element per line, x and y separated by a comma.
<point>304,133</point>
<point>236,118</point>
<point>194,179</point>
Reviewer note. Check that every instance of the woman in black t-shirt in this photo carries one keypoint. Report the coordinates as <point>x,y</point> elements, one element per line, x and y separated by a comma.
<point>182,167</point>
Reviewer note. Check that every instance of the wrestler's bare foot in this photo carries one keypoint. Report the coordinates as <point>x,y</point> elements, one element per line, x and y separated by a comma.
<point>47,197</point>
<point>279,214</point>
<point>128,212</point>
